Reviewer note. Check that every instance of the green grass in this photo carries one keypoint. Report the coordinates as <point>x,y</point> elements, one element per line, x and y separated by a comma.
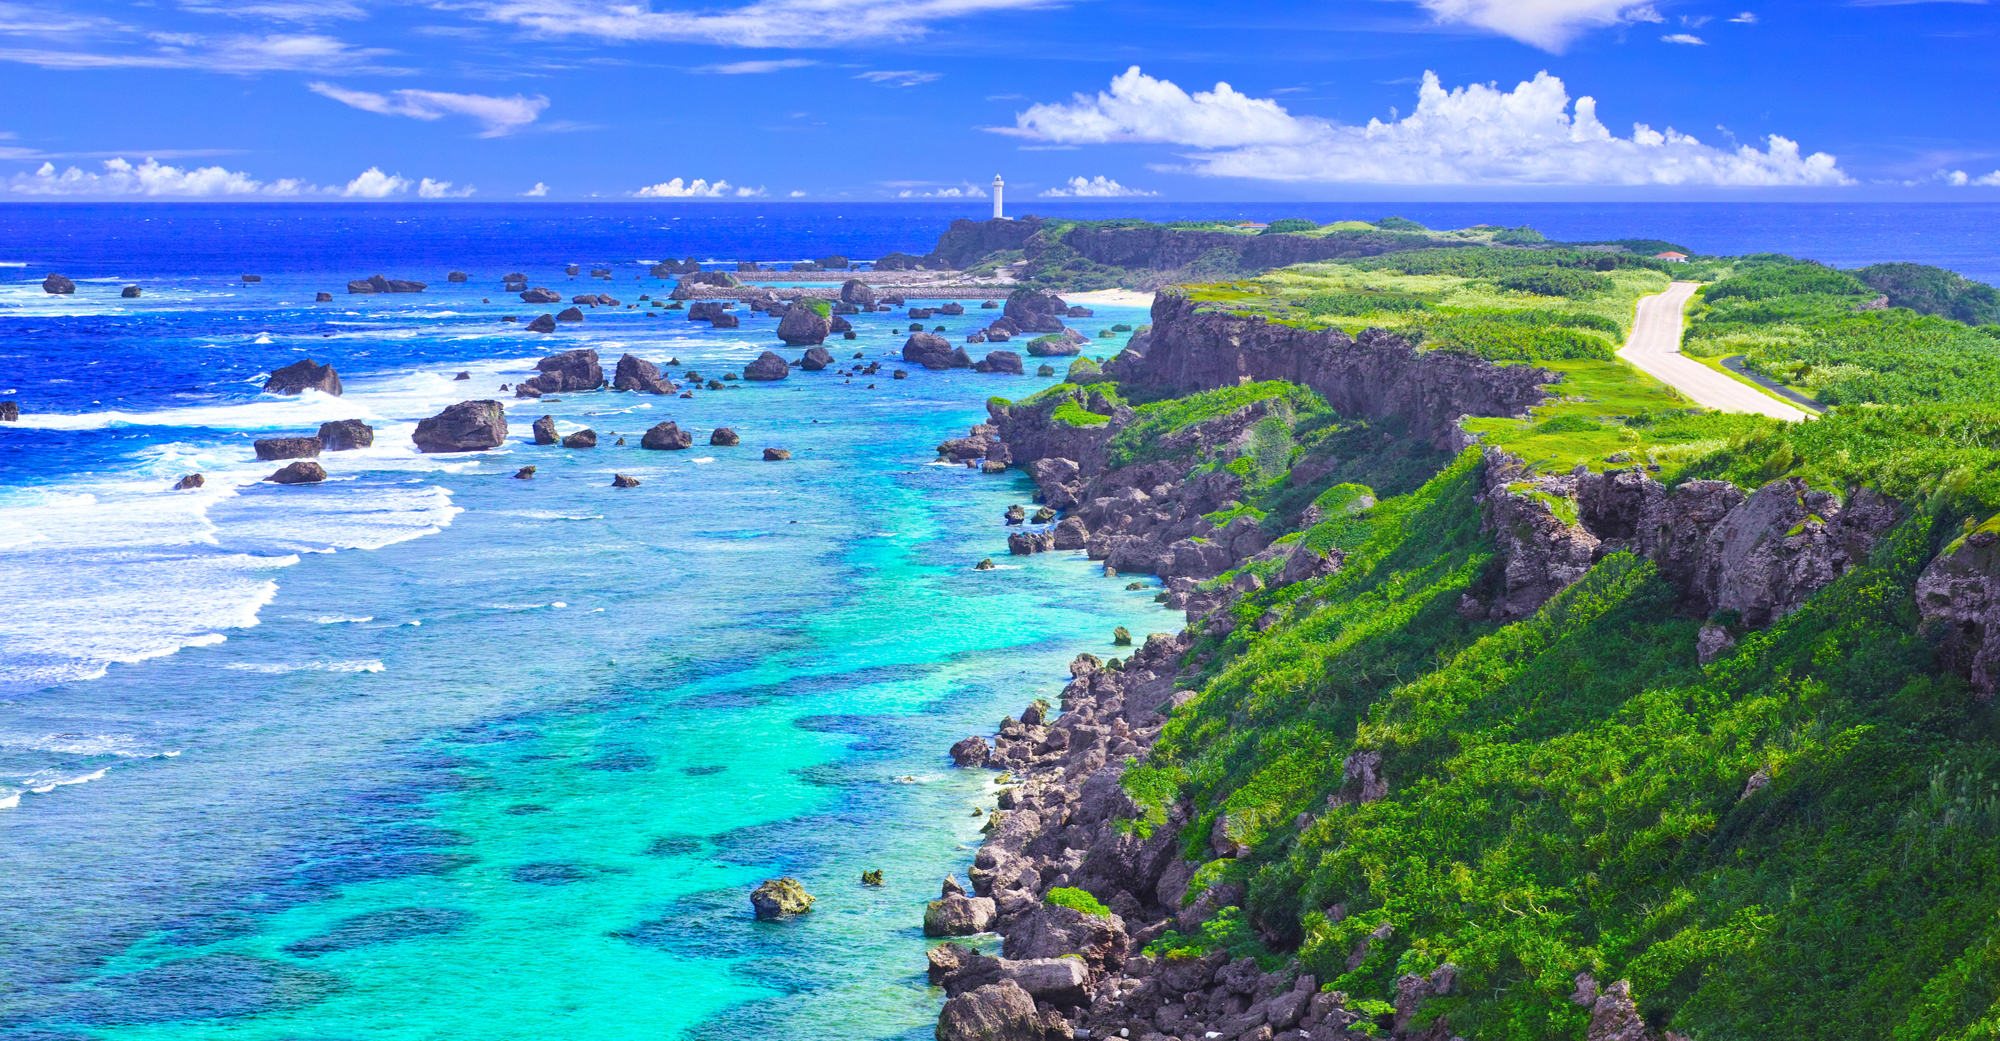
<point>1077,900</point>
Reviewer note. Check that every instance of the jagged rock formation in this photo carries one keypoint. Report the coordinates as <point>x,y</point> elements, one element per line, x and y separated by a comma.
<point>568,371</point>
<point>637,374</point>
<point>343,435</point>
<point>469,426</point>
<point>303,375</point>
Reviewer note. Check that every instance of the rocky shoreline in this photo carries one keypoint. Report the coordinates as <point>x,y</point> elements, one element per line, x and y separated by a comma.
<point>1076,891</point>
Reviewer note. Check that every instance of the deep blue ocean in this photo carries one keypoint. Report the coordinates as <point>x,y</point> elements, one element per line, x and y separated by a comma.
<point>429,752</point>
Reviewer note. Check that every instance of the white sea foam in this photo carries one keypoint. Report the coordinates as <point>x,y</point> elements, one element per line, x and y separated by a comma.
<point>279,669</point>
<point>8,802</point>
<point>45,781</point>
<point>333,619</point>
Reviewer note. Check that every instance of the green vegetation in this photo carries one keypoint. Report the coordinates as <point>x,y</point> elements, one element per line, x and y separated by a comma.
<point>817,306</point>
<point>1798,323</point>
<point>1286,225</point>
<point>1933,290</point>
<point>1555,281</point>
<point>1077,900</point>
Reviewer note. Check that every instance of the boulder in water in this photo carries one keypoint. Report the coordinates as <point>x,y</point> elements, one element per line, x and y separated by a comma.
<point>318,298</point>
<point>545,431</point>
<point>129,292</point>
<point>803,325</point>
<point>544,324</point>
<point>780,897</point>
<point>723,437</point>
<point>469,426</point>
<point>776,455</point>
<point>816,359</point>
<point>667,436</point>
<point>10,412</point>
<point>305,471</point>
<point>856,292</point>
<point>456,276</point>
<point>463,376</point>
<point>768,367</point>
<point>569,370</point>
<point>270,448</point>
<point>637,374</point>
<point>303,375</point>
<point>581,439</point>
<point>1036,310</point>
<point>344,435</point>
<point>725,320</point>
<point>622,481</point>
<point>929,350</point>
<point>539,295</point>
<point>570,314</point>
<point>188,482</point>
<point>58,284</point>
<point>1002,361</point>
<point>524,473</point>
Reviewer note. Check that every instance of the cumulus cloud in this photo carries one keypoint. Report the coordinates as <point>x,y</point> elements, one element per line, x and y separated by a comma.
<point>1688,38</point>
<point>1746,18</point>
<point>374,184</point>
<point>762,23</point>
<point>500,116</point>
<point>899,78</point>
<point>429,189</point>
<point>150,178</point>
<point>1099,187</point>
<point>239,55</point>
<point>796,194</point>
<point>1548,24</point>
<point>678,189</point>
<point>1959,179</point>
<point>740,68</point>
<point>538,191</point>
<point>1478,134</point>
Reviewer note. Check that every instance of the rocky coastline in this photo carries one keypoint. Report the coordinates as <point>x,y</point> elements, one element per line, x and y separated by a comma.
<point>1076,891</point>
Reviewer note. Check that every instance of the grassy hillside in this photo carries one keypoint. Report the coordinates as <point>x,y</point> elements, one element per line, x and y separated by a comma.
<point>1796,841</point>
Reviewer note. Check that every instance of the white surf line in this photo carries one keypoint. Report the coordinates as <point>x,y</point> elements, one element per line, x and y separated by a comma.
<point>1655,349</point>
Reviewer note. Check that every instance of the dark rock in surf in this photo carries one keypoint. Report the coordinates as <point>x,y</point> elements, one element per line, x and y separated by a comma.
<point>780,898</point>
<point>524,473</point>
<point>57,284</point>
<point>303,375</point>
<point>667,436</point>
<point>570,314</point>
<point>188,482</point>
<point>469,426</point>
<point>769,366</point>
<point>622,481</point>
<point>581,439</point>
<point>305,471</point>
<point>539,295</point>
<point>343,435</point>
<point>803,326</point>
<point>129,292</point>
<point>273,448</point>
<point>640,375</point>
<point>723,437</point>
<point>545,431</point>
<point>776,455</point>
<point>544,324</point>
<point>816,359</point>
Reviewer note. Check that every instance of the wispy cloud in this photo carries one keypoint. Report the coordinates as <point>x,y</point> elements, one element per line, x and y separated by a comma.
<point>1470,135</point>
<point>1099,187</point>
<point>499,116</point>
<point>239,55</point>
<point>538,191</point>
<point>303,11</point>
<point>1687,38</point>
<point>740,68</point>
<point>762,23</point>
<point>899,78</point>
<point>1746,18</point>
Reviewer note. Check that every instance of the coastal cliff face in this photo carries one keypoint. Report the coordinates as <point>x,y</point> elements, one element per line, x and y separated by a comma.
<point>1181,874</point>
<point>1376,376</point>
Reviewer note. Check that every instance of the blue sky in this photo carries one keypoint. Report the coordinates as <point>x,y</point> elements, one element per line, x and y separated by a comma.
<point>883,99</point>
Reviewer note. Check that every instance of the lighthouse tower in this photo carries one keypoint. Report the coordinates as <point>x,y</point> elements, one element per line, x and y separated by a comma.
<point>997,186</point>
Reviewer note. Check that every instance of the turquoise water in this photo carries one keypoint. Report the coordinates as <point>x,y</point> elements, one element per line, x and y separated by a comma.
<point>431,752</point>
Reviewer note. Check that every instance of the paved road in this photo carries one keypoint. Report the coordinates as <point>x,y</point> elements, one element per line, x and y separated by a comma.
<point>1655,349</point>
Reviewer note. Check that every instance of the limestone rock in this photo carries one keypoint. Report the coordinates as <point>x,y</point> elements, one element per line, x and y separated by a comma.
<point>129,292</point>
<point>301,376</point>
<point>305,471</point>
<point>188,482</point>
<point>455,276</point>
<point>972,751</point>
<point>525,473</point>
<point>570,314</point>
<point>623,481</point>
<point>931,351</point>
<point>269,448</point>
<point>723,437</point>
<point>856,292</point>
<point>469,426</point>
<point>343,435</point>
<point>1958,597</point>
<point>581,439</point>
<point>959,916</point>
<point>545,431</point>
<point>816,359</point>
<point>1036,310</point>
<point>776,455</point>
<point>637,374</point>
<point>539,295</point>
<point>545,324</point>
<point>780,897</point>
<point>667,436</point>
<point>57,284</point>
<point>768,367</point>
<point>803,326</point>
<point>999,1012</point>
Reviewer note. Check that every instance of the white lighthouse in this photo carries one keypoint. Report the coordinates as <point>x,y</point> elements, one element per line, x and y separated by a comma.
<point>997,186</point>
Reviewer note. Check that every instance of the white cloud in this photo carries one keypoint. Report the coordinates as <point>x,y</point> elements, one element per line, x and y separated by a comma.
<point>281,10</point>
<point>899,78</point>
<point>739,68</point>
<point>1099,187</point>
<point>1959,179</point>
<point>240,55</point>
<point>1471,135</point>
<point>796,194</point>
<point>429,189</point>
<point>500,116</point>
<point>150,178</point>
<point>538,191</point>
<point>750,193</point>
<point>677,189</point>
<point>762,23</point>
<point>1688,38</point>
<point>374,184</point>
<point>1548,24</point>
<point>1746,18</point>
<point>964,191</point>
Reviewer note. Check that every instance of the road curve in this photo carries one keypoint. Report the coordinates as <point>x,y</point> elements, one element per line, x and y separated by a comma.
<point>1655,349</point>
